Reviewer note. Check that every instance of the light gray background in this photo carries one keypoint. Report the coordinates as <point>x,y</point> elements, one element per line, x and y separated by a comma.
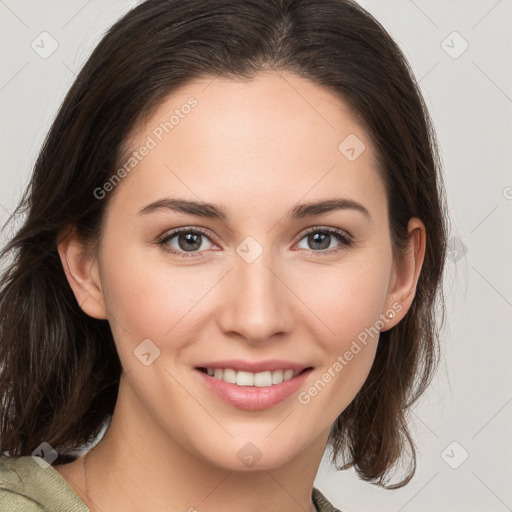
<point>470,99</point>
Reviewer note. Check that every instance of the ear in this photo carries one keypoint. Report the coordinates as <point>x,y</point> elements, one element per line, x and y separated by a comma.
<point>81,268</point>
<point>405,275</point>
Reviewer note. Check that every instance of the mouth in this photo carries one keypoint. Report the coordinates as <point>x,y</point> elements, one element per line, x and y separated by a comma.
<point>252,391</point>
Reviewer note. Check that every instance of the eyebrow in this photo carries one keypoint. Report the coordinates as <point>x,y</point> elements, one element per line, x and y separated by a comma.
<point>213,211</point>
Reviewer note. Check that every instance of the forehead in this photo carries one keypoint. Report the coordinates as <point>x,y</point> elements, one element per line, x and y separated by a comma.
<point>269,141</point>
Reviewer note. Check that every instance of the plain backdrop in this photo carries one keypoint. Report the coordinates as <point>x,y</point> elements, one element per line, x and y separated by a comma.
<point>460,52</point>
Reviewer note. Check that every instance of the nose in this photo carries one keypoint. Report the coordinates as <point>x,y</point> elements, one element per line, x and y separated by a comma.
<point>256,304</point>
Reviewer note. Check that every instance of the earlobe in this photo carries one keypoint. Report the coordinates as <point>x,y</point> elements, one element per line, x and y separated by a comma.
<point>81,268</point>
<point>406,274</point>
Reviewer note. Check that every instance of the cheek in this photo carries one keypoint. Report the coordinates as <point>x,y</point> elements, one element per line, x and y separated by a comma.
<point>148,301</point>
<point>348,301</point>
<point>347,298</point>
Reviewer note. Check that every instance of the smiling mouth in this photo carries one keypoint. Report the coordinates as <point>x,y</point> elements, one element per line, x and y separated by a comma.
<point>250,379</point>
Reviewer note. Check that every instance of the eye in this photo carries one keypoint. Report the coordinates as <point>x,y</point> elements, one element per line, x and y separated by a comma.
<point>185,242</point>
<point>190,242</point>
<point>321,239</point>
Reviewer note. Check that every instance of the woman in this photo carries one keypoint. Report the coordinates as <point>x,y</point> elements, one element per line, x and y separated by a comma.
<point>232,254</point>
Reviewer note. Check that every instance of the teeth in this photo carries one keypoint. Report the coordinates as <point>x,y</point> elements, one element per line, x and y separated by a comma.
<point>229,376</point>
<point>288,374</point>
<point>260,380</point>
<point>263,379</point>
<point>277,377</point>
<point>244,378</point>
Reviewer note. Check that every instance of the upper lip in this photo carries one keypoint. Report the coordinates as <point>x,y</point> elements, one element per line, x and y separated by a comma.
<point>254,366</point>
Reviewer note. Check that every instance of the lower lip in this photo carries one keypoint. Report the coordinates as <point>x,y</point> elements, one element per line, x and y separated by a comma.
<point>252,398</point>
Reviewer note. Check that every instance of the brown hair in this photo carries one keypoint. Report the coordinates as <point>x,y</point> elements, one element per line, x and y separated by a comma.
<point>59,369</point>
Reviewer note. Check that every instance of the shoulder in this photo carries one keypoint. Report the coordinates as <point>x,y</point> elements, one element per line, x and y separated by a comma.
<point>26,486</point>
<point>322,504</point>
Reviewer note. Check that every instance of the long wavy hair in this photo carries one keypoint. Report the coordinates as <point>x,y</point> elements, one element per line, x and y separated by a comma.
<point>59,368</point>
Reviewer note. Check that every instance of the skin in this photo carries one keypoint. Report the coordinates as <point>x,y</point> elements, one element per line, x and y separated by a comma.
<point>257,148</point>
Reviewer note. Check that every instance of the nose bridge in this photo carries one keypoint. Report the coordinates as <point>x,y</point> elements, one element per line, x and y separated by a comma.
<point>258,305</point>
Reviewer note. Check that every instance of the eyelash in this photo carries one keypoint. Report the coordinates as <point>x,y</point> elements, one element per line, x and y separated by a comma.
<point>341,236</point>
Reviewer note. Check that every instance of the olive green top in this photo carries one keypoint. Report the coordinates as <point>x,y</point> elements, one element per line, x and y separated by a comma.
<point>26,486</point>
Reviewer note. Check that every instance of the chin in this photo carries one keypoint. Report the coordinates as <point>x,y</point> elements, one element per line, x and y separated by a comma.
<point>259,454</point>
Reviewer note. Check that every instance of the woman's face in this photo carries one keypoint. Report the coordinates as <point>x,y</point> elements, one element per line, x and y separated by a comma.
<point>265,282</point>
